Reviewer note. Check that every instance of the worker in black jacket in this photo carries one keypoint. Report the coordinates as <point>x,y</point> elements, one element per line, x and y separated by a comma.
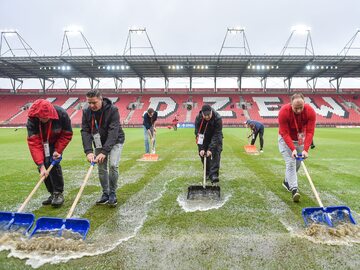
<point>209,137</point>
<point>101,128</point>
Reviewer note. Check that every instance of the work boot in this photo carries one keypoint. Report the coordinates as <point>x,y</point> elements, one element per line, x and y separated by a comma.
<point>58,199</point>
<point>48,200</point>
<point>214,179</point>
<point>286,186</point>
<point>112,200</point>
<point>295,195</point>
<point>104,199</point>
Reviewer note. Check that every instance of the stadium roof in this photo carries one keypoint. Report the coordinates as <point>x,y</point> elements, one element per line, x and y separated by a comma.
<point>172,66</point>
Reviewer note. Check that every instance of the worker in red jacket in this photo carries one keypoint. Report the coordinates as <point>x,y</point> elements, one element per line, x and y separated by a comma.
<point>49,132</point>
<point>296,131</point>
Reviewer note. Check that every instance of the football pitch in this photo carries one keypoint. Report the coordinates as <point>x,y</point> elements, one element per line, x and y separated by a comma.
<point>255,225</point>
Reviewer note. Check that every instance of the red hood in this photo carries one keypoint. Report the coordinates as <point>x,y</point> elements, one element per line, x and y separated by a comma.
<point>42,108</point>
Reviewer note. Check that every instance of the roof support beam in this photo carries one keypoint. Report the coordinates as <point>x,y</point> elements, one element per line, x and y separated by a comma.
<point>67,84</point>
<point>338,83</point>
<point>43,84</point>
<point>166,84</point>
<point>239,83</point>
<point>142,82</point>
<point>92,86</point>
<point>263,83</point>
<point>287,82</point>
<point>14,86</point>
<point>118,83</point>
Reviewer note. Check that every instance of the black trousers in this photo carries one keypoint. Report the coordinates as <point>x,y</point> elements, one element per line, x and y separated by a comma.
<point>212,163</point>
<point>261,136</point>
<point>55,181</point>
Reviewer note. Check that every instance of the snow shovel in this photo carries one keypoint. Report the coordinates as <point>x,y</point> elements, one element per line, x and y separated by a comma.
<point>250,149</point>
<point>203,190</point>
<point>330,215</point>
<point>68,227</point>
<point>19,221</point>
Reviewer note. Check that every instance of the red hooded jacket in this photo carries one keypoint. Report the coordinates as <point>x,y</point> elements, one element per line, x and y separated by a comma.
<point>305,122</point>
<point>57,130</point>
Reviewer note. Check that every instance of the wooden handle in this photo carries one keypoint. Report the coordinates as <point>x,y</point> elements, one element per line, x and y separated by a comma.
<point>312,185</point>
<point>80,191</point>
<point>34,190</point>
<point>204,181</point>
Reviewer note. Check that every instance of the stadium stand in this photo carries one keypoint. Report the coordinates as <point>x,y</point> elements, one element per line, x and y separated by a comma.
<point>331,109</point>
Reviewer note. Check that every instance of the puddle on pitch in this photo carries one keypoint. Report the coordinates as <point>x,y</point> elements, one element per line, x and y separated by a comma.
<point>201,203</point>
<point>125,223</point>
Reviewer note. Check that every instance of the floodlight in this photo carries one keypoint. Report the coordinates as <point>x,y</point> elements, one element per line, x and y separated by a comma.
<point>74,29</point>
<point>236,29</point>
<point>300,29</point>
<point>138,30</point>
<point>8,32</point>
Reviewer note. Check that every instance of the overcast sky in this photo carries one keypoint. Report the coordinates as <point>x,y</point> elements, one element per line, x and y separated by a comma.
<point>182,26</point>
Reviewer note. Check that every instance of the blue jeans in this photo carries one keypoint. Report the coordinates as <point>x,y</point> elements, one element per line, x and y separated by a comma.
<point>109,179</point>
<point>146,139</point>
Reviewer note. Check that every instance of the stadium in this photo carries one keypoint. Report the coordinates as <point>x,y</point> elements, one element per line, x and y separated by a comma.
<point>255,223</point>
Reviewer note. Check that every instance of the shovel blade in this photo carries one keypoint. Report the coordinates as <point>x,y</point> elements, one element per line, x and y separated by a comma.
<point>331,215</point>
<point>199,192</point>
<point>150,157</point>
<point>67,228</point>
<point>75,226</point>
<point>48,226</point>
<point>251,149</point>
<point>16,221</point>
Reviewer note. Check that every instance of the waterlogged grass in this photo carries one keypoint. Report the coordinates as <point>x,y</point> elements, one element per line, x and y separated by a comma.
<point>251,230</point>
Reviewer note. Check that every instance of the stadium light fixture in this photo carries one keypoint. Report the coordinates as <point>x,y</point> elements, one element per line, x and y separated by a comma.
<point>8,32</point>
<point>261,67</point>
<point>235,30</point>
<point>300,29</point>
<point>138,30</point>
<point>114,67</point>
<point>316,67</point>
<point>74,29</point>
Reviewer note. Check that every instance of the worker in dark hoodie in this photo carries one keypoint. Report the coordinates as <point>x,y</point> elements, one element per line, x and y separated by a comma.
<point>49,132</point>
<point>101,128</point>
<point>209,137</point>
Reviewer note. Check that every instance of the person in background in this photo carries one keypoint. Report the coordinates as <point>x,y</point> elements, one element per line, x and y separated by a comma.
<point>49,133</point>
<point>150,117</point>
<point>256,128</point>
<point>175,121</point>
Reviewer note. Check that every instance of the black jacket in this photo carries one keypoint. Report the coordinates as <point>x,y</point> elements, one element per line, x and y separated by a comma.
<point>110,129</point>
<point>213,136</point>
<point>149,121</point>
